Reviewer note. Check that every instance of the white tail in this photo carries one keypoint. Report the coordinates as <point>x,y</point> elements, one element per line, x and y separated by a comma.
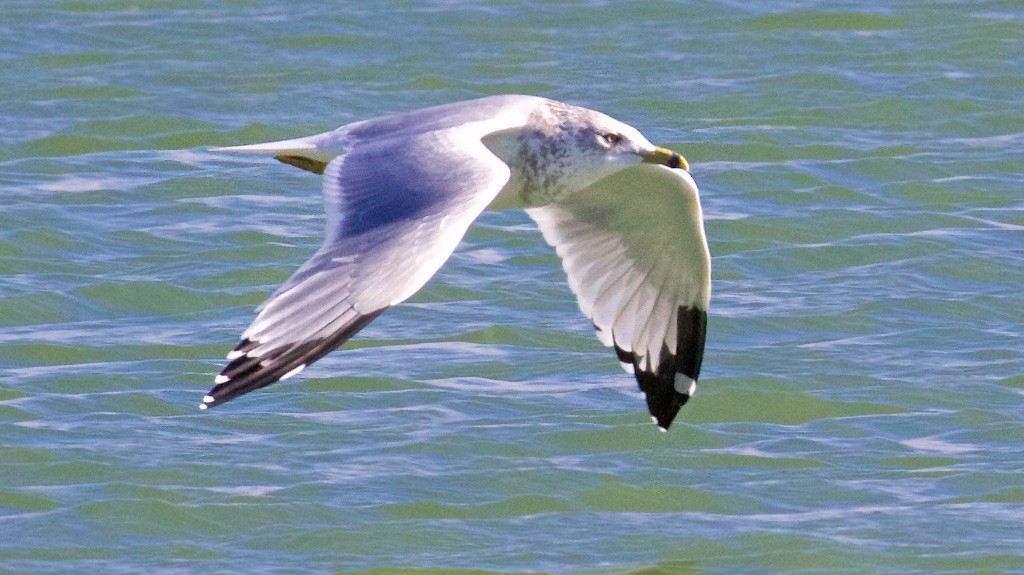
<point>298,146</point>
<point>311,153</point>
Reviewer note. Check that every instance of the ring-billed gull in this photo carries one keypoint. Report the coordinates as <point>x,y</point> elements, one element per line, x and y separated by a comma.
<point>400,192</point>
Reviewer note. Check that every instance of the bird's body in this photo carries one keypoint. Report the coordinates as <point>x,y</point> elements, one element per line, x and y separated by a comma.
<point>400,192</point>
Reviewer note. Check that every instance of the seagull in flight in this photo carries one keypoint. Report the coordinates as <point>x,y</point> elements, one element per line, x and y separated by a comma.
<point>401,190</point>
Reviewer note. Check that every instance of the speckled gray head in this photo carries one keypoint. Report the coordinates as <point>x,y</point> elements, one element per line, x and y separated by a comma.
<point>564,148</point>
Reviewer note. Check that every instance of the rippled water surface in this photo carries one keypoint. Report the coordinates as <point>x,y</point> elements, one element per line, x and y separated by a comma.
<point>862,400</point>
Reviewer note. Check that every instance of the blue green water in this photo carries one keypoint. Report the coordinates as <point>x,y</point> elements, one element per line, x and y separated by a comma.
<point>861,408</point>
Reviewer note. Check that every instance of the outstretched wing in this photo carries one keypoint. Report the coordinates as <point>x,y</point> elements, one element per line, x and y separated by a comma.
<point>634,250</point>
<point>398,202</point>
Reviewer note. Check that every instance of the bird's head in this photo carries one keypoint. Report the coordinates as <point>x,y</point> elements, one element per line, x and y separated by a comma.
<point>567,149</point>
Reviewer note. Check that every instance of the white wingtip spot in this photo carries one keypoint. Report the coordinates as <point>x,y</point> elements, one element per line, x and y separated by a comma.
<point>654,419</point>
<point>235,354</point>
<point>627,367</point>
<point>219,380</point>
<point>208,399</point>
<point>203,406</point>
<point>293,372</point>
<point>662,429</point>
<point>685,385</point>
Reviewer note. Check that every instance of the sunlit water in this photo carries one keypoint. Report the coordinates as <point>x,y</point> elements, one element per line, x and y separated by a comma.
<point>861,403</point>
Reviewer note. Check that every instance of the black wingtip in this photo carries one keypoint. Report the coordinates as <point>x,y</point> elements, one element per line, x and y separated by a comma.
<point>670,384</point>
<point>247,371</point>
<point>663,399</point>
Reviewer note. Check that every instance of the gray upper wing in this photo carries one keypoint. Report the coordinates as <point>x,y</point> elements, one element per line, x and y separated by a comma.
<point>398,202</point>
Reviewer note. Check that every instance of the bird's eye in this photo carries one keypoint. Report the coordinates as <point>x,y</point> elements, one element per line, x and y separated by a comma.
<point>612,138</point>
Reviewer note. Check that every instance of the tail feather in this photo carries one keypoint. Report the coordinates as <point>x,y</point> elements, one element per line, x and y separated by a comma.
<point>311,153</point>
